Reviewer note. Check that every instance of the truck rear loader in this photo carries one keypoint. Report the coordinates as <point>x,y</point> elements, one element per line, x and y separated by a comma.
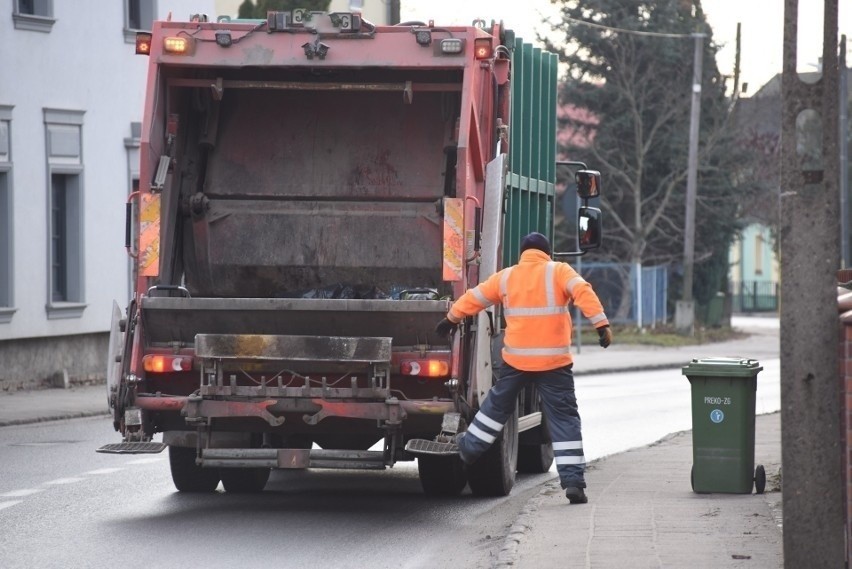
<point>314,192</point>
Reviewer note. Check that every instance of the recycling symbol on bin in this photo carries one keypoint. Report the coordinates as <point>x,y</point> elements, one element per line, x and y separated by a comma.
<point>717,416</point>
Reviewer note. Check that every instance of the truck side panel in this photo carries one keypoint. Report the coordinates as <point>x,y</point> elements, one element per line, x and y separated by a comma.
<point>532,149</point>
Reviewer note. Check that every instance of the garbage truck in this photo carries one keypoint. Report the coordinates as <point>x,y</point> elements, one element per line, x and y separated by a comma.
<point>314,192</point>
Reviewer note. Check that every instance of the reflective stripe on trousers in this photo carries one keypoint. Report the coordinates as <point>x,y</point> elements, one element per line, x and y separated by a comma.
<point>559,406</point>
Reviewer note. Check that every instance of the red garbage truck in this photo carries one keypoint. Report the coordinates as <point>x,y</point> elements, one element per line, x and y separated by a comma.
<point>314,192</point>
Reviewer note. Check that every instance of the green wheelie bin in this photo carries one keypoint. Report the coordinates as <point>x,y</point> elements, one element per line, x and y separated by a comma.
<point>723,402</point>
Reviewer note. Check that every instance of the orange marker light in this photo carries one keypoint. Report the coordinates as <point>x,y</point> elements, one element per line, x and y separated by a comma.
<point>425,368</point>
<point>154,363</point>
<point>482,48</point>
<point>143,43</point>
<point>438,368</point>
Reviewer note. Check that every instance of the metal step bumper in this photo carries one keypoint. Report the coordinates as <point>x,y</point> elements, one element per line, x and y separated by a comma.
<point>133,448</point>
<point>291,458</point>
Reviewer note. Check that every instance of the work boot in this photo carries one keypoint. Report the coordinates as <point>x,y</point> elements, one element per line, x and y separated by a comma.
<point>576,495</point>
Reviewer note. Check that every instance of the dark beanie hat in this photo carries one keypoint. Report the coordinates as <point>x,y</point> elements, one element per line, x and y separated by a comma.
<point>535,241</point>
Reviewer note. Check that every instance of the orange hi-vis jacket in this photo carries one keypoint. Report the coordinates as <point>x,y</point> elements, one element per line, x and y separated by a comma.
<point>536,295</point>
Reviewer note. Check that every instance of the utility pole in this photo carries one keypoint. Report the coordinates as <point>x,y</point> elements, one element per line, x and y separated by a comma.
<point>811,449</point>
<point>843,125</point>
<point>685,308</point>
<point>736,93</point>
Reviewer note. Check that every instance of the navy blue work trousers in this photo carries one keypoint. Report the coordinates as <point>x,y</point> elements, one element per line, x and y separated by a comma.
<point>559,405</point>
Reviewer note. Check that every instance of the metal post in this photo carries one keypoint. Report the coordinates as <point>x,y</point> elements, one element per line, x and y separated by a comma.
<point>811,445</point>
<point>686,321</point>
<point>844,158</point>
<point>638,269</point>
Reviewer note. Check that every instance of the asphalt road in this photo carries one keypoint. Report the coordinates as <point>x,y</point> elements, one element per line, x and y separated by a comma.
<point>63,505</point>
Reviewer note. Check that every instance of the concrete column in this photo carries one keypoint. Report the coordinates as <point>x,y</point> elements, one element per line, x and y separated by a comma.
<point>810,253</point>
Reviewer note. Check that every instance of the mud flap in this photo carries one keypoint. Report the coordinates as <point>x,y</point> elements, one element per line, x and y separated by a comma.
<point>114,354</point>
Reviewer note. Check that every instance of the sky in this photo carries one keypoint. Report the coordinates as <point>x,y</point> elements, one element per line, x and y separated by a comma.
<point>762,28</point>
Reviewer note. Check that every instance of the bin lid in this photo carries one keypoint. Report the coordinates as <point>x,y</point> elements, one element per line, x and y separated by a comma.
<point>722,367</point>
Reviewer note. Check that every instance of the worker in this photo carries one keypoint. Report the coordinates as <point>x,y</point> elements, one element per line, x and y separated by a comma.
<point>535,294</point>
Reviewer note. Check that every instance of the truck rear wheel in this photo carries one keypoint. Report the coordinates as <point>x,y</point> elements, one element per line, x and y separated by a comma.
<point>245,480</point>
<point>535,458</point>
<point>188,476</point>
<point>441,475</point>
<point>535,451</point>
<point>494,473</point>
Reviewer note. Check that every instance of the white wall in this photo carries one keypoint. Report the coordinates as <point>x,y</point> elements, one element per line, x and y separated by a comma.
<point>82,64</point>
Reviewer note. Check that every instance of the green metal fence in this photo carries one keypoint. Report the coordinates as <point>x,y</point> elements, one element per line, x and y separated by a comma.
<point>532,147</point>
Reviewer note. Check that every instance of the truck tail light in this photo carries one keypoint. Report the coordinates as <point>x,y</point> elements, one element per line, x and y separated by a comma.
<point>425,368</point>
<point>158,363</point>
<point>482,48</point>
<point>178,45</point>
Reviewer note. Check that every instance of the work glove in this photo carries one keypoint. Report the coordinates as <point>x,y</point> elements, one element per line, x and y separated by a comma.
<point>445,327</point>
<point>604,336</point>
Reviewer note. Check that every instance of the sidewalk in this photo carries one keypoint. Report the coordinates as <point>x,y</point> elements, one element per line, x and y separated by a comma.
<point>641,511</point>
<point>22,407</point>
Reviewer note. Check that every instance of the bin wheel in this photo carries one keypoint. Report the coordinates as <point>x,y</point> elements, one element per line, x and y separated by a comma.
<point>759,479</point>
<point>692,478</point>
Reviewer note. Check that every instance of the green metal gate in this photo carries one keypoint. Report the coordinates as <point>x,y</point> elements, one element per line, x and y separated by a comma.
<point>532,147</point>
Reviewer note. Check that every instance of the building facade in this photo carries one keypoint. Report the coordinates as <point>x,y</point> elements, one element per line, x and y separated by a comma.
<point>71,102</point>
<point>754,270</point>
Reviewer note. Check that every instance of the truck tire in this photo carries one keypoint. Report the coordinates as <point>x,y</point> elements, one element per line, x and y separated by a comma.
<point>245,480</point>
<point>345,442</point>
<point>441,475</point>
<point>188,476</point>
<point>494,473</point>
<point>535,456</point>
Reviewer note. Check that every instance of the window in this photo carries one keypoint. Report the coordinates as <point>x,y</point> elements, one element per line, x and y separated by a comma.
<point>33,15</point>
<point>65,213</point>
<point>6,310</point>
<point>65,253</point>
<point>758,254</point>
<point>139,15</point>
<point>6,269</point>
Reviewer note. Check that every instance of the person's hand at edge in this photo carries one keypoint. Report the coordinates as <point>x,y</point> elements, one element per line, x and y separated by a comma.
<point>445,327</point>
<point>604,336</point>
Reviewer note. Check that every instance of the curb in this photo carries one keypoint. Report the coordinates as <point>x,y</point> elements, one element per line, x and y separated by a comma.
<point>508,554</point>
<point>629,369</point>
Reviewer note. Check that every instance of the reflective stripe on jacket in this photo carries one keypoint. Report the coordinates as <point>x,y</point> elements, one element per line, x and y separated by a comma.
<point>535,294</point>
